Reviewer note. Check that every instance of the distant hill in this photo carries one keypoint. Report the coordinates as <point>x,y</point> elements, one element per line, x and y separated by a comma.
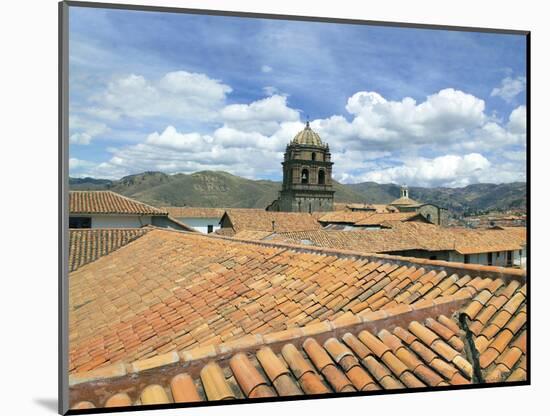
<point>206,189</point>
<point>477,197</point>
<point>89,183</point>
<point>221,189</point>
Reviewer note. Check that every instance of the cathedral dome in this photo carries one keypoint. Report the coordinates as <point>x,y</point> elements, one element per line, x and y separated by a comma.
<point>308,137</point>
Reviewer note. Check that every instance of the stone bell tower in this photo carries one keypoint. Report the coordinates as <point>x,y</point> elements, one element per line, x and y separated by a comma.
<point>307,175</point>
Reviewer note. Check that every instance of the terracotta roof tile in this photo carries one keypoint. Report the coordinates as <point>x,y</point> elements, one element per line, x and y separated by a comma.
<point>296,361</point>
<point>194,212</point>
<point>206,290</point>
<point>219,299</point>
<point>336,378</point>
<point>183,389</point>
<point>118,400</point>
<point>272,365</point>
<point>402,236</point>
<point>261,220</point>
<point>248,376</point>
<point>83,405</point>
<point>311,383</point>
<point>373,343</point>
<point>107,202</point>
<point>356,360</point>
<point>381,218</point>
<point>154,394</point>
<point>87,245</point>
<point>215,385</point>
<point>361,379</point>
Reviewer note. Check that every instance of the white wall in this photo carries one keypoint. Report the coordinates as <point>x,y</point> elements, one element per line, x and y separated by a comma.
<point>120,221</point>
<point>498,260</point>
<point>201,224</point>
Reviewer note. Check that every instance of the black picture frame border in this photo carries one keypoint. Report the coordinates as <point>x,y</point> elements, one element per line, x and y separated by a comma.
<point>63,192</point>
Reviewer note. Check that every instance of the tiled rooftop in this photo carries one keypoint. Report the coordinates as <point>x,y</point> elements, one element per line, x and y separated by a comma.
<point>347,206</point>
<point>261,220</point>
<point>171,290</point>
<point>377,218</point>
<point>359,218</point>
<point>406,346</point>
<point>347,217</point>
<point>252,235</point>
<point>194,212</point>
<point>87,245</point>
<point>107,202</point>
<point>411,235</point>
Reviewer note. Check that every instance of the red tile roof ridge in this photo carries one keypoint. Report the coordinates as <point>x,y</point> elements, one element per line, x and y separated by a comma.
<point>321,331</point>
<point>149,209</point>
<point>478,269</point>
<point>494,272</point>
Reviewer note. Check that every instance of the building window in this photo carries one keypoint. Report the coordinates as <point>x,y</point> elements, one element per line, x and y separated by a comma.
<point>210,228</point>
<point>466,258</point>
<point>433,257</point>
<point>490,259</point>
<point>321,177</point>
<point>305,176</point>
<point>80,222</point>
<point>509,259</point>
<point>313,154</point>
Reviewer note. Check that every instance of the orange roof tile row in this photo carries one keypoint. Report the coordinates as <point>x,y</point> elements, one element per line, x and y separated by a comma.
<point>262,220</point>
<point>377,219</point>
<point>403,236</point>
<point>347,217</point>
<point>87,245</point>
<point>380,208</point>
<point>194,212</point>
<point>107,202</point>
<point>171,290</point>
<point>402,348</point>
<point>359,218</point>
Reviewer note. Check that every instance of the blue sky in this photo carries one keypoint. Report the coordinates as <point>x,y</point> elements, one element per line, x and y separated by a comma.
<point>183,93</point>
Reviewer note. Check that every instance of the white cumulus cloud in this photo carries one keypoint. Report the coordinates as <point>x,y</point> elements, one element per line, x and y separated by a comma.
<point>442,118</point>
<point>377,139</point>
<point>263,116</point>
<point>82,131</point>
<point>180,94</point>
<point>509,88</point>
<point>447,170</point>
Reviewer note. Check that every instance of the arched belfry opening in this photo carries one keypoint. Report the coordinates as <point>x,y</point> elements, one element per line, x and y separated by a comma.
<point>307,175</point>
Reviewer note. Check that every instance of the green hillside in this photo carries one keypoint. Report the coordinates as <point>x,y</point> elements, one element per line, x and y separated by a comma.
<point>221,189</point>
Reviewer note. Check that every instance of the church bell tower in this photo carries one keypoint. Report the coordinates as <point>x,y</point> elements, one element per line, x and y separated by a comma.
<point>307,175</point>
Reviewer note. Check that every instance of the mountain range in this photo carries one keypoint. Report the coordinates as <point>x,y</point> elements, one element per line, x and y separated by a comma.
<point>221,189</point>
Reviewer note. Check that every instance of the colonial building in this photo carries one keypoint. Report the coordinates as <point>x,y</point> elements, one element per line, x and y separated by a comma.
<point>433,213</point>
<point>307,175</point>
<point>504,247</point>
<point>106,209</point>
<point>204,220</point>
